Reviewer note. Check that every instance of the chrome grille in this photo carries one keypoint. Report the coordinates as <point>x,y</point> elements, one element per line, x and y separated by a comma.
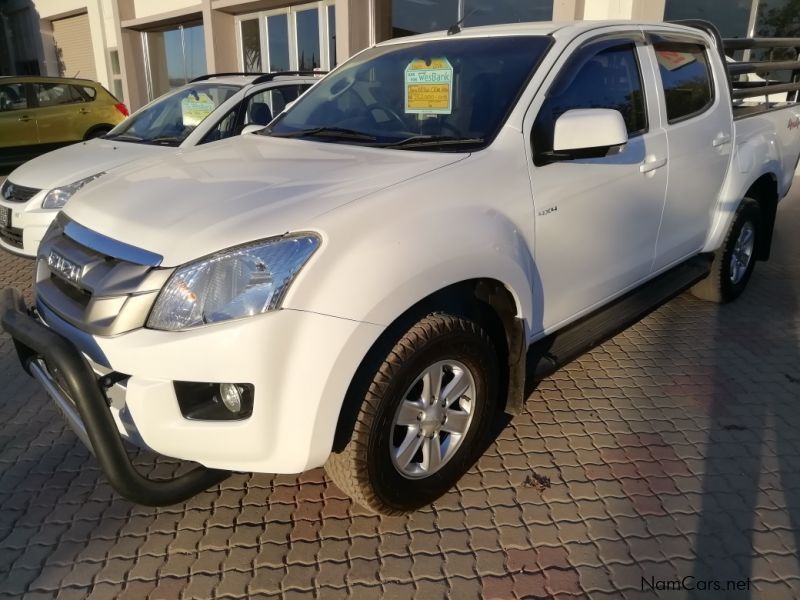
<point>12,192</point>
<point>90,288</point>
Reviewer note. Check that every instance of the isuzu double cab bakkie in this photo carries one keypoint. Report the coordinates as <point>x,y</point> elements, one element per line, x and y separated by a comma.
<point>366,282</point>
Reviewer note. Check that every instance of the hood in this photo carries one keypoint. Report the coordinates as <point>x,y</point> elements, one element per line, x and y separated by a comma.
<point>248,188</point>
<point>72,163</point>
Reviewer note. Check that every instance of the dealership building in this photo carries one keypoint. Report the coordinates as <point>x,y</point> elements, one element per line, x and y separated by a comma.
<point>140,49</point>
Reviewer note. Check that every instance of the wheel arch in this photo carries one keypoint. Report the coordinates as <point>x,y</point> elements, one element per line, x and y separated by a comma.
<point>765,192</point>
<point>486,300</point>
<point>97,128</point>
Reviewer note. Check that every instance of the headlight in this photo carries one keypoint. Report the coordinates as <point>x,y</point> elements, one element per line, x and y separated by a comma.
<point>236,283</point>
<point>57,197</point>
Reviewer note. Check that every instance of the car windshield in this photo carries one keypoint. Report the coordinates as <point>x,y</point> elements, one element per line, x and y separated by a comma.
<point>442,95</point>
<point>170,119</point>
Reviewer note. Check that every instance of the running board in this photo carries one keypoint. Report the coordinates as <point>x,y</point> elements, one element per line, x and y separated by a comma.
<point>553,352</point>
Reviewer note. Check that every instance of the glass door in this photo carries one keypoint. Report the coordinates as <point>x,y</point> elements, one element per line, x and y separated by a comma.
<point>299,38</point>
<point>307,37</point>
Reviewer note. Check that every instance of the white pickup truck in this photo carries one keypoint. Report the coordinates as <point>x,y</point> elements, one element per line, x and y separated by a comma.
<point>365,283</point>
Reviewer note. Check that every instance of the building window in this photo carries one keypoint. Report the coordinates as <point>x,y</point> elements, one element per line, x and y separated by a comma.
<point>731,17</point>
<point>301,37</point>
<point>175,56</point>
<point>778,18</point>
<point>115,74</point>
<point>410,17</point>
<point>251,46</point>
<point>331,36</point>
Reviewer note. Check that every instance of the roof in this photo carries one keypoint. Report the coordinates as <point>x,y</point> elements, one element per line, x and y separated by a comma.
<point>531,28</point>
<point>48,78</point>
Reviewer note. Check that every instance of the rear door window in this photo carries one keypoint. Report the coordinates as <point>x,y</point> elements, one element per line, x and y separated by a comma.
<point>687,80</point>
<point>56,94</point>
<point>265,106</point>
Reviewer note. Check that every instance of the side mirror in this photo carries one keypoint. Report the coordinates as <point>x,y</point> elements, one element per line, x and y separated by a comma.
<point>588,133</point>
<point>252,128</point>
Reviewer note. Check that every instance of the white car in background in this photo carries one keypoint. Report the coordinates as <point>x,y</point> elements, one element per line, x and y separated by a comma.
<point>208,109</point>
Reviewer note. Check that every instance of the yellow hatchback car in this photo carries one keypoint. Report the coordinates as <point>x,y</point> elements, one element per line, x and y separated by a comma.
<point>39,114</point>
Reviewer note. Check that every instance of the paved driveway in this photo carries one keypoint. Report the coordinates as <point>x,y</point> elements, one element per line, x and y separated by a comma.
<point>671,452</point>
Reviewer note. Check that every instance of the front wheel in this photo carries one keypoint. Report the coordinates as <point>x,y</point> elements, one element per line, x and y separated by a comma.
<point>423,419</point>
<point>734,261</point>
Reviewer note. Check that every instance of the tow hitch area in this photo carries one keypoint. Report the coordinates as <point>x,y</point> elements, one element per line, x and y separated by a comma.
<point>67,377</point>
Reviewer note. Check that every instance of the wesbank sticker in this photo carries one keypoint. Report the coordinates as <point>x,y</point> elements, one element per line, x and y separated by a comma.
<point>429,87</point>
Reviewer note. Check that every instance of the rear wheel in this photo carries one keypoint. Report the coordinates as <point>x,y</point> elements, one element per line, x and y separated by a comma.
<point>735,260</point>
<point>424,417</point>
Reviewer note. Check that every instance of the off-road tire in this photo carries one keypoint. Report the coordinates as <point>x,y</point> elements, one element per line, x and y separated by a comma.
<point>718,287</point>
<point>364,469</point>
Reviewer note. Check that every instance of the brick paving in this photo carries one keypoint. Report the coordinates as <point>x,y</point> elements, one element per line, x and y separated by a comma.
<point>672,450</point>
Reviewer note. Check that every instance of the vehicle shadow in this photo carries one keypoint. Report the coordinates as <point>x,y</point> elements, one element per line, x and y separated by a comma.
<point>750,494</point>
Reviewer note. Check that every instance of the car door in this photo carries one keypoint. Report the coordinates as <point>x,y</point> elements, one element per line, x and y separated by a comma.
<point>699,130</point>
<point>597,219</point>
<point>17,123</point>
<point>62,113</point>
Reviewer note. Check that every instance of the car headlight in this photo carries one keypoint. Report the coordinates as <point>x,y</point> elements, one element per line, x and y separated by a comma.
<point>57,197</point>
<point>232,284</point>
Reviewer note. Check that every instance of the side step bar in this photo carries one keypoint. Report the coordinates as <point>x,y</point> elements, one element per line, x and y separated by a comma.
<point>553,352</point>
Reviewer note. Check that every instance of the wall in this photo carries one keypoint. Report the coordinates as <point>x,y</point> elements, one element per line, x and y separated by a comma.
<point>101,28</point>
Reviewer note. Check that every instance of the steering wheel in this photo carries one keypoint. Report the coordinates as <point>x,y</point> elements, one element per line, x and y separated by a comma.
<point>388,110</point>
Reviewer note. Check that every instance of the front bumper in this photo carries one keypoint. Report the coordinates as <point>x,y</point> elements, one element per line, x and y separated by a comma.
<point>29,223</point>
<point>300,364</point>
<point>68,378</point>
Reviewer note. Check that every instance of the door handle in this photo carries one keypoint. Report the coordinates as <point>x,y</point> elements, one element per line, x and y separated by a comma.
<point>721,140</point>
<point>83,111</point>
<point>651,164</point>
<point>24,118</point>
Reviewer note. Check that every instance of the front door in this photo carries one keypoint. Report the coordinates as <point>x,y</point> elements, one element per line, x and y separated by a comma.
<point>17,123</point>
<point>597,220</point>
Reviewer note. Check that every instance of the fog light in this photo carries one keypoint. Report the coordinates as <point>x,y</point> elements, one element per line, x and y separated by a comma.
<point>231,397</point>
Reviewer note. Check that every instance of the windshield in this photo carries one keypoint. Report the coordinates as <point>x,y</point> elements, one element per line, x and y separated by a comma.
<point>441,95</point>
<point>170,119</point>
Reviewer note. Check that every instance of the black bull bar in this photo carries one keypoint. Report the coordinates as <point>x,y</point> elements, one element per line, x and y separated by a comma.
<point>43,353</point>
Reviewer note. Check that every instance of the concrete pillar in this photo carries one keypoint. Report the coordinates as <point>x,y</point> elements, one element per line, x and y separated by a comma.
<point>352,27</point>
<point>97,29</point>
<point>649,10</point>
<point>219,31</point>
<point>568,10</point>
<point>640,10</point>
<point>131,56</point>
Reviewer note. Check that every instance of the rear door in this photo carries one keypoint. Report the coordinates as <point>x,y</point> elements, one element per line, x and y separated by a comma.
<point>597,220</point>
<point>62,112</point>
<point>699,122</point>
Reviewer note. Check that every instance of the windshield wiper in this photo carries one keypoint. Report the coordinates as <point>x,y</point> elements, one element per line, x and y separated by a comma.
<point>421,141</point>
<point>123,138</point>
<point>333,132</point>
<point>164,140</point>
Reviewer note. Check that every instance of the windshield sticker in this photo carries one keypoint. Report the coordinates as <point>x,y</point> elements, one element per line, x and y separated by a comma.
<point>429,87</point>
<point>195,108</point>
<point>672,61</point>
